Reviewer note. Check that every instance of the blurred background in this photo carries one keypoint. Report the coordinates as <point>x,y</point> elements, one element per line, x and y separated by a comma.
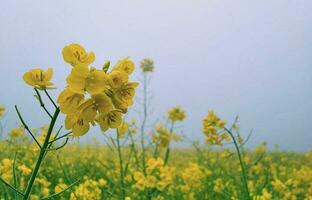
<point>246,58</point>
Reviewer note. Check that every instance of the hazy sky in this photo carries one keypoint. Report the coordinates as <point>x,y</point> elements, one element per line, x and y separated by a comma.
<point>251,58</point>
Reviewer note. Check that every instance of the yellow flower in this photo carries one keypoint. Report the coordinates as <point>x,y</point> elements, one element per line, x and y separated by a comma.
<point>151,181</point>
<point>176,114</point>
<point>60,187</point>
<point>2,111</point>
<point>123,96</point>
<point>147,65</point>
<point>86,113</point>
<point>16,133</point>
<point>24,170</point>
<point>75,54</point>
<point>38,78</point>
<point>77,123</point>
<point>69,101</point>
<point>82,79</point>
<point>162,136</point>
<point>111,120</point>
<point>117,78</point>
<point>82,112</point>
<point>102,182</point>
<point>138,176</point>
<point>122,129</point>
<point>102,103</point>
<point>161,185</point>
<point>125,65</point>
<point>212,124</point>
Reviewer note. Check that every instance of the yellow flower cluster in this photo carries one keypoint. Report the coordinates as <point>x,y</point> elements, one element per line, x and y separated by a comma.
<point>192,177</point>
<point>6,169</point>
<point>266,195</point>
<point>88,190</point>
<point>2,111</point>
<point>24,170</point>
<point>176,114</point>
<point>94,95</point>
<point>44,185</point>
<point>147,65</point>
<point>162,136</point>
<point>158,176</point>
<point>212,125</point>
<point>17,133</point>
<point>60,187</point>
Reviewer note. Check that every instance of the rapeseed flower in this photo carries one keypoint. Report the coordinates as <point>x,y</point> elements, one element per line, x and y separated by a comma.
<point>75,54</point>
<point>212,125</point>
<point>39,78</point>
<point>176,114</point>
<point>147,65</point>
<point>95,96</point>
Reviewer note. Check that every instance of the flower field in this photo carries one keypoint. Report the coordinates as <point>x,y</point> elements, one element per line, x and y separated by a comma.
<point>134,160</point>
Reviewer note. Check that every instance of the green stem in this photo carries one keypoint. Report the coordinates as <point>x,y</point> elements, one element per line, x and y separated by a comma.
<point>41,103</point>
<point>134,149</point>
<point>50,98</point>
<point>57,194</point>
<point>168,148</point>
<point>42,153</point>
<point>144,121</point>
<point>26,127</point>
<point>122,184</point>
<point>14,175</point>
<point>244,174</point>
<point>65,135</point>
<point>11,187</point>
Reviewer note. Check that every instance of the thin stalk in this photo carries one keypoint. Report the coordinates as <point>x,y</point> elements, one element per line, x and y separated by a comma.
<point>68,179</point>
<point>244,174</point>
<point>50,98</point>
<point>155,154</point>
<point>41,103</point>
<point>144,120</point>
<point>11,187</point>
<point>122,184</point>
<point>57,194</point>
<point>42,153</point>
<point>134,149</point>
<point>26,127</point>
<point>65,135</point>
<point>168,148</point>
<point>14,175</point>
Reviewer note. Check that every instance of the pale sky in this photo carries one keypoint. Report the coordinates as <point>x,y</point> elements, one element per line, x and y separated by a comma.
<point>251,58</point>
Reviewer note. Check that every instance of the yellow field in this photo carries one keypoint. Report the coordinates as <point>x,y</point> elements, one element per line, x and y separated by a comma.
<point>190,174</point>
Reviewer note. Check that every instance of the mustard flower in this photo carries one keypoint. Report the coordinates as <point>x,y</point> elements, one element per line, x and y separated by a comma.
<point>75,54</point>
<point>95,96</point>
<point>39,78</point>
<point>122,97</point>
<point>212,124</point>
<point>69,101</point>
<point>82,79</point>
<point>16,133</point>
<point>111,120</point>
<point>176,114</point>
<point>147,65</point>
<point>126,65</point>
